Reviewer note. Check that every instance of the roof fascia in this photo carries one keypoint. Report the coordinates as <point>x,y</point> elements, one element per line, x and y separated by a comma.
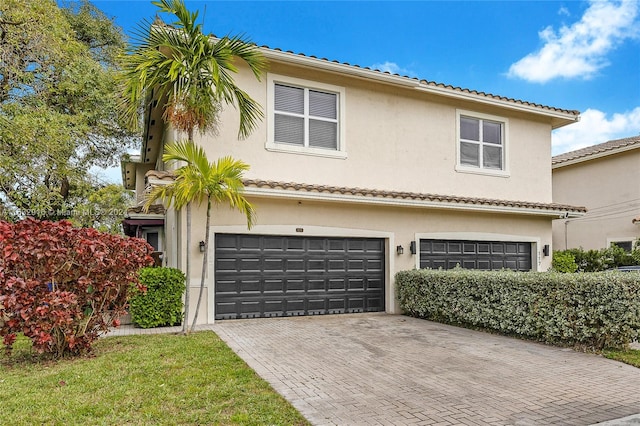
<point>560,118</point>
<point>595,156</point>
<point>344,198</point>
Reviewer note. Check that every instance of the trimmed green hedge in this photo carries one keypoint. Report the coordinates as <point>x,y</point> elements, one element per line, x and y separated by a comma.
<point>596,310</point>
<point>162,303</point>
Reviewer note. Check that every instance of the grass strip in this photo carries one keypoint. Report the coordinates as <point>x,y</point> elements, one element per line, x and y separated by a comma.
<point>141,380</point>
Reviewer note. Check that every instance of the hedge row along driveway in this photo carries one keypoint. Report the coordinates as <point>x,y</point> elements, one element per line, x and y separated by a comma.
<point>591,310</point>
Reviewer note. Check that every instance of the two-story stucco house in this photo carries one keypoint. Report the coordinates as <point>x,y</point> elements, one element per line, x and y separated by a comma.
<point>606,179</point>
<point>357,174</point>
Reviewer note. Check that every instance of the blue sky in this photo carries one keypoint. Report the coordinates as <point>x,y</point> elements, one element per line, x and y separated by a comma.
<point>582,55</point>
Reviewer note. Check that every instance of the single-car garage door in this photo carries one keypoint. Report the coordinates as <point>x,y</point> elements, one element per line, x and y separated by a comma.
<point>487,255</point>
<point>267,276</point>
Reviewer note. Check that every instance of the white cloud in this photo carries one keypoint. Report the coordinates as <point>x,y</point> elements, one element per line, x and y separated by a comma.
<point>580,50</point>
<point>393,68</point>
<point>595,127</point>
<point>564,11</point>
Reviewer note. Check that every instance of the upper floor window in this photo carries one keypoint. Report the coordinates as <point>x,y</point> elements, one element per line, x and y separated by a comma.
<point>305,117</point>
<point>481,143</point>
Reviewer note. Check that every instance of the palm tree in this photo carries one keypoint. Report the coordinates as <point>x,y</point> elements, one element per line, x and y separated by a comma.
<point>192,71</point>
<point>199,180</point>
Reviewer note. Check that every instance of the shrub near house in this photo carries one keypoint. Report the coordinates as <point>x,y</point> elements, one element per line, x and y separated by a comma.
<point>161,303</point>
<point>63,286</point>
<point>595,310</point>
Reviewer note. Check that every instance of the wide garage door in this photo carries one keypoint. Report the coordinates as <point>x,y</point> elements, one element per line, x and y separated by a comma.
<point>267,276</point>
<point>487,255</point>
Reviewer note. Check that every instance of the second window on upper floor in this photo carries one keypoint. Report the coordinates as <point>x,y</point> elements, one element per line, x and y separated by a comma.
<point>305,117</point>
<point>481,143</point>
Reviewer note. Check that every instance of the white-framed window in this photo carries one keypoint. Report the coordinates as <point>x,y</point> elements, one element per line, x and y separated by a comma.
<point>624,243</point>
<point>305,117</point>
<point>481,143</point>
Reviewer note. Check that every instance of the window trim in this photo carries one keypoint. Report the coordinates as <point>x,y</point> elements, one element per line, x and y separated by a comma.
<point>505,145</point>
<point>271,145</point>
<point>613,240</point>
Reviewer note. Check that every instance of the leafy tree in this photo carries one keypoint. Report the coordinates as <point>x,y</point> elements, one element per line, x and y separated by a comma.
<point>58,105</point>
<point>102,207</point>
<point>191,72</point>
<point>200,180</point>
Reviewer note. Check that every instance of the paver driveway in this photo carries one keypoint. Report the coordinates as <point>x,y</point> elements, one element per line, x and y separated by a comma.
<point>388,369</point>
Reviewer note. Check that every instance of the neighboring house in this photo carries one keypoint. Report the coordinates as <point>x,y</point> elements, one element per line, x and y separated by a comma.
<point>606,179</point>
<point>357,174</point>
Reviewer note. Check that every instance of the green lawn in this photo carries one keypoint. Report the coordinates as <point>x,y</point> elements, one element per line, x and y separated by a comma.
<point>142,379</point>
<point>630,356</point>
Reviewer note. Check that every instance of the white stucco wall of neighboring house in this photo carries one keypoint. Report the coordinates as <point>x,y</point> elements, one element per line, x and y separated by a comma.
<point>609,187</point>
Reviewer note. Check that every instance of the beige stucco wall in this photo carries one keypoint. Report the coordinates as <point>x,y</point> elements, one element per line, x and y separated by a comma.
<point>610,189</point>
<point>397,225</point>
<point>396,139</point>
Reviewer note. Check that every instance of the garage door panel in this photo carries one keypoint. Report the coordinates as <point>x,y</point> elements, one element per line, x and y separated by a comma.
<point>511,264</point>
<point>337,265</point>
<point>295,286</point>
<point>469,264</point>
<point>249,307</point>
<point>374,265</point>
<point>356,284</point>
<point>336,245</point>
<point>315,265</point>
<point>317,306</point>
<point>274,244</point>
<point>318,286</point>
<point>336,284</point>
<point>375,284</point>
<point>274,286</point>
<point>484,255</point>
<point>289,276</point>
<point>355,304</point>
<point>248,264</point>
<point>249,242</point>
<point>226,264</point>
<point>294,244</point>
<point>295,265</point>
<point>315,245</point>
<point>250,287</point>
<point>274,264</point>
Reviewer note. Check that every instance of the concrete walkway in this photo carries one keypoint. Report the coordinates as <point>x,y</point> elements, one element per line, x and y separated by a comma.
<point>378,369</point>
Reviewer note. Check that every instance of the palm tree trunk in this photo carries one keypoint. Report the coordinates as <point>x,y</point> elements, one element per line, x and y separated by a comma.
<point>204,261</point>
<point>185,321</point>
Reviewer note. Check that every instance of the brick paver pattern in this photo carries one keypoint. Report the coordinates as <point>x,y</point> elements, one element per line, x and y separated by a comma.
<point>378,369</point>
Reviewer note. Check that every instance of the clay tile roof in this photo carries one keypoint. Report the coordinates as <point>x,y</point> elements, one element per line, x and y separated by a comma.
<point>160,175</point>
<point>153,209</point>
<point>433,83</point>
<point>410,195</point>
<point>601,148</point>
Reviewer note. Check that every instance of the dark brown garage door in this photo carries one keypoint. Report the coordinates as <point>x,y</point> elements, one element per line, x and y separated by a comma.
<point>266,276</point>
<point>487,255</point>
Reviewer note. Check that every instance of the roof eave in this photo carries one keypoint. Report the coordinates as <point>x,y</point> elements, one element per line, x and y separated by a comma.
<point>594,156</point>
<point>404,202</point>
<point>128,164</point>
<point>559,118</point>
